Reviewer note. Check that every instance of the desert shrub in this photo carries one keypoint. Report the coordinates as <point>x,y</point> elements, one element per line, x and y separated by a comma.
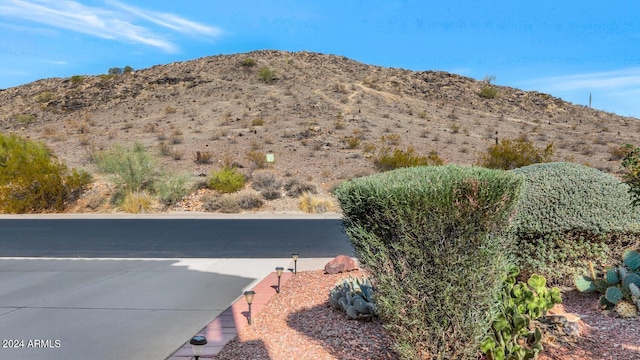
<point>352,142</point>
<point>248,62</point>
<point>44,97</point>
<point>631,175</point>
<point>76,79</point>
<point>295,188</point>
<point>137,202</point>
<point>571,214</point>
<point>25,119</point>
<point>389,160</point>
<point>263,180</point>
<point>390,139</point>
<point>431,239</point>
<point>226,180</point>
<point>270,193</point>
<point>266,75</point>
<point>33,180</point>
<point>172,188</point>
<point>134,169</point>
<point>312,204</point>
<point>488,91</point>
<point>512,154</point>
<point>249,201</point>
<point>224,204</point>
<point>257,159</point>
<point>119,71</point>
<point>619,152</point>
<point>204,157</point>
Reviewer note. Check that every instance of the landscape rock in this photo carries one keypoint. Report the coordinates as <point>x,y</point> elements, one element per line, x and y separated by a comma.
<point>339,264</point>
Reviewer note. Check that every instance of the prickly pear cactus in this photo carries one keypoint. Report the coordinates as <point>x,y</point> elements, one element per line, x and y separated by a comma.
<point>619,285</point>
<point>631,259</point>
<point>631,278</point>
<point>626,309</point>
<point>613,295</point>
<point>635,292</point>
<point>611,276</point>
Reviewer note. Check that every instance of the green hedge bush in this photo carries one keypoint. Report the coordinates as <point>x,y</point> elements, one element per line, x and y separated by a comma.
<point>570,214</point>
<point>431,239</point>
<point>33,180</point>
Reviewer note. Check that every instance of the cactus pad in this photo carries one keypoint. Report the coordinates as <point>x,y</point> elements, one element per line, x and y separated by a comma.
<point>352,313</point>
<point>626,309</point>
<point>361,305</point>
<point>631,259</point>
<point>611,276</point>
<point>631,278</point>
<point>604,304</point>
<point>613,295</point>
<point>635,290</point>
<point>585,284</point>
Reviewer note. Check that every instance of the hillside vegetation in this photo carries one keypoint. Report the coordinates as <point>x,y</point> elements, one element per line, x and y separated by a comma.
<point>324,118</point>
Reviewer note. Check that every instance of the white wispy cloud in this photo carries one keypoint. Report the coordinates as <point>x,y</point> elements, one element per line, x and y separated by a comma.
<point>170,21</point>
<point>104,22</point>
<point>606,80</point>
<point>615,91</point>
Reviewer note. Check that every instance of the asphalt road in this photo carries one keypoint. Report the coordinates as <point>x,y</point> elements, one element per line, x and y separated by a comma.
<point>172,238</point>
<point>136,289</point>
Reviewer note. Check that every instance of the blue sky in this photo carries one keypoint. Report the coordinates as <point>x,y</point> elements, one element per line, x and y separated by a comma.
<point>568,48</point>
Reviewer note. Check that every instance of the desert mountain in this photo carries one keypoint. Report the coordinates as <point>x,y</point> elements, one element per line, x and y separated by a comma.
<point>322,116</point>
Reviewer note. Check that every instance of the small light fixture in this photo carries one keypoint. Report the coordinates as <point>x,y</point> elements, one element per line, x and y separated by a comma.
<point>197,345</point>
<point>279,271</point>
<point>295,262</point>
<point>248,295</point>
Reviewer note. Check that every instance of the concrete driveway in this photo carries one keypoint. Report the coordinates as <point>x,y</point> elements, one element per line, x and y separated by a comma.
<point>62,309</point>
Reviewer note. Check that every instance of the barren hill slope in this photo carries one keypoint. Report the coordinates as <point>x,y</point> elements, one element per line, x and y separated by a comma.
<point>322,116</point>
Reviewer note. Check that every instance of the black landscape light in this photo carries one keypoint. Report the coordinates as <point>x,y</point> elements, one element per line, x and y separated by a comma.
<point>279,271</point>
<point>295,262</point>
<point>197,345</point>
<point>248,295</point>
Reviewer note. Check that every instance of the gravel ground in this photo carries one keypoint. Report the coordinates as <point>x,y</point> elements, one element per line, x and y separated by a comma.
<point>299,323</point>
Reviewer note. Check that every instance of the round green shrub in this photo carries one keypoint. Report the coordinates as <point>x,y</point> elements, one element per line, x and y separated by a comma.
<point>226,180</point>
<point>569,214</point>
<point>33,180</point>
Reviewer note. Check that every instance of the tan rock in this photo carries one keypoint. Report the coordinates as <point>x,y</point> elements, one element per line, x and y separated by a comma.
<point>339,264</point>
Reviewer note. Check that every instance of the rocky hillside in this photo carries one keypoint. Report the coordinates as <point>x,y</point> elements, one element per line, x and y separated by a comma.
<point>322,116</point>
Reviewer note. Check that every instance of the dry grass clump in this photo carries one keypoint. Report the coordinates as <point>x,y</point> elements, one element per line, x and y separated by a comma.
<point>137,202</point>
<point>312,204</point>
